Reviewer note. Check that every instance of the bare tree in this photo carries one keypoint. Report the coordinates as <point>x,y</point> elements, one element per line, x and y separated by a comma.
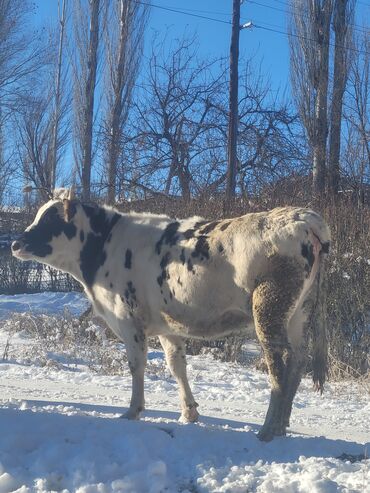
<point>342,19</point>
<point>357,119</point>
<point>86,39</point>
<point>309,45</point>
<point>269,143</point>
<point>181,126</point>
<point>124,36</point>
<point>176,116</point>
<point>34,126</point>
<point>34,123</point>
<point>20,55</point>
<point>8,164</point>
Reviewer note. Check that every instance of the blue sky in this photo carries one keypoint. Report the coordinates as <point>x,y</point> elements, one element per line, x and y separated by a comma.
<point>214,37</point>
<point>265,46</point>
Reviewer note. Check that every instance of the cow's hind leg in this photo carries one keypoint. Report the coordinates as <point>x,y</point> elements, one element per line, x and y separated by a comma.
<point>136,348</point>
<point>273,302</point>
<point>298,329</point>
<point>174,348</point>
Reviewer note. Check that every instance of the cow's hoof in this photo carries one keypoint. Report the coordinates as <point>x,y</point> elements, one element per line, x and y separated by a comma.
<point>266,434</point>
<point>189,415</point>
<point>131,414</point>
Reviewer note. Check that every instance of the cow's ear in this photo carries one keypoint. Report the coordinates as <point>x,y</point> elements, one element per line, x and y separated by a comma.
<point>71,193</point>
<point>69,208</point>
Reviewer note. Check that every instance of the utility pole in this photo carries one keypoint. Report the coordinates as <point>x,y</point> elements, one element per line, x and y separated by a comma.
<point>233,106</point>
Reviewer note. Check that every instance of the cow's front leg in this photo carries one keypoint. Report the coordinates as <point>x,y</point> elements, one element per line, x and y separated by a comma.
<point>174,348</point>
<point>136,348</point>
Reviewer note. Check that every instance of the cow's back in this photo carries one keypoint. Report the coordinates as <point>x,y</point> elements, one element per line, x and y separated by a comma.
<point>201,282</point>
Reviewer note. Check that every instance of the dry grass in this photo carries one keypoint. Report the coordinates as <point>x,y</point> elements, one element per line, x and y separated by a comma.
<point>68,343</point>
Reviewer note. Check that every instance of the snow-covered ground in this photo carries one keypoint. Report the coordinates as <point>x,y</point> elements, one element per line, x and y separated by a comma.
<point>47,303</point>
<point>59,427</point>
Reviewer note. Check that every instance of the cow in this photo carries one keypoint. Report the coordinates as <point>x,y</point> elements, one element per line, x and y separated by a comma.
<point>150,275</point>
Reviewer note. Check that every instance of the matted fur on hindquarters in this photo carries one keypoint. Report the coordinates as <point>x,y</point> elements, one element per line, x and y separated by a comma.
<point>273,302</point>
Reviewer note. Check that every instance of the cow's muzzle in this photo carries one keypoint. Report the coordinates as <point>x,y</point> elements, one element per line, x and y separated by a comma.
<point>16,246</point>
<point>19,250</point>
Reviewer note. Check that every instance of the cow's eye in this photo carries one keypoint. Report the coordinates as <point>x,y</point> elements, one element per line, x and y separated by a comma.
<point>49,215</point>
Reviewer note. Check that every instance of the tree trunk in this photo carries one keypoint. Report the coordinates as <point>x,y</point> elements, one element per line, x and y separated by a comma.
<point>119,84</point>
<point>184,179</point>
<point>322,25</point>
<point>89,99</point>
<point>53,163</point>
<point>340,26</point>
<point>125,46</point>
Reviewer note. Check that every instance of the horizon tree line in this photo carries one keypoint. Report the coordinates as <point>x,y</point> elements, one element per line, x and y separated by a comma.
<point>131,126</point>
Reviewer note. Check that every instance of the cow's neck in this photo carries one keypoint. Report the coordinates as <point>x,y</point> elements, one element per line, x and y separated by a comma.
<point>97,230</point>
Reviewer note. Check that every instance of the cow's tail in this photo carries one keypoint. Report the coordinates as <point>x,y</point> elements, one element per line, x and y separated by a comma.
<point>319,337</point>
<point>319,318</point>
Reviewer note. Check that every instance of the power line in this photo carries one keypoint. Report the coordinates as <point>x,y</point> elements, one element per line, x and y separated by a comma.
<point>182,12</point>
<point>257,26</point>
<point>289,5</point>
<point>191,12</point>
<point>213,12</point>
<point>309,39</point>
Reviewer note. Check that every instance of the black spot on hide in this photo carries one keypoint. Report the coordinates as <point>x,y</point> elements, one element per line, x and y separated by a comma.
<point>225,225</point>
<point>99,222</point>
<point>189,233</point>
<point>130,295</point>
<point>50,225</point>
<point>165,260</point>
<point>128,259</point>
<point>220,248</point>
<point>163,264</point>
<point>209,227</point>
<point>201,248</point>
<point>182,256</point>
<point>190,265</point>
<point>307,253</point>
<point>169,236</point>
<point>93,255</point>
<point>261,224</point>
<point>199,224</point>
<point>131,289</point>
<point>325,247</point>
<point>82,236</point>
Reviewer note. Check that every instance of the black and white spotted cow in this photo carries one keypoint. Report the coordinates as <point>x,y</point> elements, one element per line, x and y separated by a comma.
<point>150,275</point>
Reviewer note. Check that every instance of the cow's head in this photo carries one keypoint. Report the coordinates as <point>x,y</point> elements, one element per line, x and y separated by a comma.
<point>52,232</point>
